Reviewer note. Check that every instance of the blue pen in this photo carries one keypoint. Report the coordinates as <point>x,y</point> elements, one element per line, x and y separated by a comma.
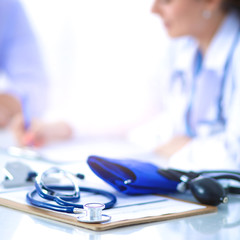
<point>26,114</point>
<point>27,138</point>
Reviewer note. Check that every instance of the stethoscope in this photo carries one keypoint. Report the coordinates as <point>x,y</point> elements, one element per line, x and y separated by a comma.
<point>220,120</point>
<point>67,202</point>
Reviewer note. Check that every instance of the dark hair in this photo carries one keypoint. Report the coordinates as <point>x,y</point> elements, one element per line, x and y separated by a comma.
<point>231,5</point>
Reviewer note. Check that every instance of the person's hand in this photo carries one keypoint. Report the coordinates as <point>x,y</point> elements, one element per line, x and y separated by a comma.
<point>9,108</point>
<point>174,145</point>
<point>39,133</point>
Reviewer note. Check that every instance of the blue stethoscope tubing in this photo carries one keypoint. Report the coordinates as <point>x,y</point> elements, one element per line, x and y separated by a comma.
<point>65,205</point>
<point>220,117</point>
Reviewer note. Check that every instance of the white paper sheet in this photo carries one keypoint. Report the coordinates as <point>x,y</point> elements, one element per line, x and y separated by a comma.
<point>127,207</point>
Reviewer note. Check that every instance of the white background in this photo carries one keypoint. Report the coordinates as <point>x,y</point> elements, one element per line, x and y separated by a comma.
<point>102,58</point>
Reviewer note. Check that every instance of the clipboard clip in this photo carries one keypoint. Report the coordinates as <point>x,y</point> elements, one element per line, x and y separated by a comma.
<point>18,174</point>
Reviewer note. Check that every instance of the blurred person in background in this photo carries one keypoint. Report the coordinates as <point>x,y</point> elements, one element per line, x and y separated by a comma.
<point>24,82</point>
<point>24,79</point>
<point>203,85</point>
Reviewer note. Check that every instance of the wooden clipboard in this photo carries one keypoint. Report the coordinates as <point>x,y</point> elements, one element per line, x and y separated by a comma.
<point>69,219</point>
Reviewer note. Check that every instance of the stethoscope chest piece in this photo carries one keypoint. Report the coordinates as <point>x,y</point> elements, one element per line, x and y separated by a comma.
<point>92,213</point>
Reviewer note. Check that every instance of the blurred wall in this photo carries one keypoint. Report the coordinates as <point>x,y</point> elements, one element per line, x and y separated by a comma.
<point>102,58</point>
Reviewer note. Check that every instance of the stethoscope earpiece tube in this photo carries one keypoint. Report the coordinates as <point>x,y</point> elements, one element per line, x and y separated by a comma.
<point>68,206</point>
<point>63,202</point>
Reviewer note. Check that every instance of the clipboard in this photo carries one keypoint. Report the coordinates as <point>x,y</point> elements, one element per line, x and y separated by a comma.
<point>71,219</point>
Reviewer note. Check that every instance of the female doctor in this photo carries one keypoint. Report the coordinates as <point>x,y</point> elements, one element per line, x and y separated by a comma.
<point>203,84</point>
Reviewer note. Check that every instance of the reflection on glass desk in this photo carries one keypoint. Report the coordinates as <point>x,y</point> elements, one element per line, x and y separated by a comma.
<point>225,224</point>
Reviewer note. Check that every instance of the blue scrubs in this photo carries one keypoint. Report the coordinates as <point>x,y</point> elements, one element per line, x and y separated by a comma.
<point>20,61</point>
